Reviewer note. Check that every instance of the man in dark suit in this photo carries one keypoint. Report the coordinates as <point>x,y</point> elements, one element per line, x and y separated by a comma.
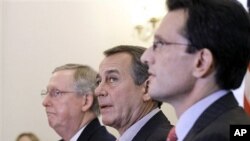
<point>200,53</point>
<point>71,106</point>
<point>122,93</point>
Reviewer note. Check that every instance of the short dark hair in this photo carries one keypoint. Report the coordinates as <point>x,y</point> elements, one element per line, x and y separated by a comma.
<point>139,70</point>
<point>223,27</point>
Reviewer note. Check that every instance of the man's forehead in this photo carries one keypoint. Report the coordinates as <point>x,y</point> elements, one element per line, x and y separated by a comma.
<point>107,71</point>
<point>110,70</point>
<point>115,63</point>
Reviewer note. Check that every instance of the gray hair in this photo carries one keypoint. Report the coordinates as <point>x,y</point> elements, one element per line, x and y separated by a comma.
<point>85,81</point>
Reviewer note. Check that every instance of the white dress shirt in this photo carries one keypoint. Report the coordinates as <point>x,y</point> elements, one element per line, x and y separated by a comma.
<point>76,136</point>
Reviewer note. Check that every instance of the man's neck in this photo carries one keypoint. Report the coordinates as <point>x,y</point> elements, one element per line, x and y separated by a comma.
<point>68,132</point>
<point>137,115</point>
<point>185,101</point>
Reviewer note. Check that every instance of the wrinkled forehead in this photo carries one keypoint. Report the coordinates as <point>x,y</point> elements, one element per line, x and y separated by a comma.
<point>118,63</point>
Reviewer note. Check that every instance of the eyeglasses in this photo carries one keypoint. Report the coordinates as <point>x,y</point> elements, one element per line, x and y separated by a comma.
<point>55,93</point>
<point>160,43</point>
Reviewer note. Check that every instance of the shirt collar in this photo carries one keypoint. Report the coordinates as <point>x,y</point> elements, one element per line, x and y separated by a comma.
<point>188,118</point>
<point>76,136</point>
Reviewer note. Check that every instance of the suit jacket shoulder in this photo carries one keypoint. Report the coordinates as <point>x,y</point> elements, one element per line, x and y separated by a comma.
<point>156,129</point>
<point>94,131</point>
<point>214,123</point>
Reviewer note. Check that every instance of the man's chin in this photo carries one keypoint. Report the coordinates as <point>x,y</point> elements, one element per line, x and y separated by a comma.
<point>107,122</point>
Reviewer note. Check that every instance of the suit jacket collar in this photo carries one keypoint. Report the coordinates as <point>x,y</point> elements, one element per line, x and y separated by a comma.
<point>212,112</point>
<point>89,130</point>
<point>157,120</point>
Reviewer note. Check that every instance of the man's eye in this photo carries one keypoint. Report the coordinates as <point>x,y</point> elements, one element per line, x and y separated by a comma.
<point>112,79</point>
<point>157,44</point>
<point>57,92</point>
<point>98,81</point>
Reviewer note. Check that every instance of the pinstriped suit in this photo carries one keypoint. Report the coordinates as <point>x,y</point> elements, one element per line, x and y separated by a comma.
<point>214,123</point>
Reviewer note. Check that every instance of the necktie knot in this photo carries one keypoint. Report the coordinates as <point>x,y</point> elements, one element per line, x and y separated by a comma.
<point>172,135</point>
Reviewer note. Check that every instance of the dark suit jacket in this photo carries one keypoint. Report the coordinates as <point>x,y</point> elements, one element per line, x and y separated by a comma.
<point>214,123</point>
<point>156,129</point>
<point>94,131</point>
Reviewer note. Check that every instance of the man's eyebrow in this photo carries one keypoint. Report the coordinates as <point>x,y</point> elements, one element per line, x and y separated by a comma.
<point>158,37</point>
<point>98,76</point>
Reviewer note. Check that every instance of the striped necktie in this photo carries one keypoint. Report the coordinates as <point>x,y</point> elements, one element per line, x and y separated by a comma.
<point>172,135</point>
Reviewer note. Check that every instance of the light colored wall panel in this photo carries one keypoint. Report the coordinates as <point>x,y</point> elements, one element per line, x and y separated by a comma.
<point>1,69</point>
<point>42,34</point>
<point>39,35</point>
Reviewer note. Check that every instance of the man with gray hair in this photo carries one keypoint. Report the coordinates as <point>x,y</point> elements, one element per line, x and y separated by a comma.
<point>71,106</point>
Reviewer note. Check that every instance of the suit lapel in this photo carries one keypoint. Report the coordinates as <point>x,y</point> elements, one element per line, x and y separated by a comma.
<point>89,130</point>
<point>211,113</point>
<point>157,120</point>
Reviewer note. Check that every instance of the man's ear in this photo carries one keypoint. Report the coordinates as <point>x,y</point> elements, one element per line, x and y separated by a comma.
<point>88,100</point>
<point>203,63</point>
<point>146,96</point>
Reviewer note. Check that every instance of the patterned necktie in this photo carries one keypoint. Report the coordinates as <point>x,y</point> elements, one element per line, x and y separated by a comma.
<point>172,135</point>
<point>246,105</point>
